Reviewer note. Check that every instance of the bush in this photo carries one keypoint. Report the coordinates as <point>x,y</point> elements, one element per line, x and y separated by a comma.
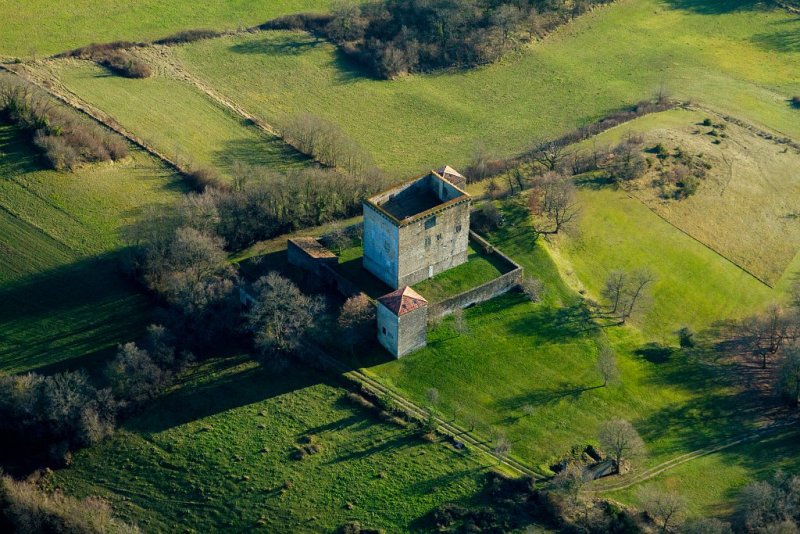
<point>327,143</point>
<point>124,64</point>
<point>65,138</point>
<point>204,177</point>
<point>795,101</point>
<point>188,36</point>
<point>28,510</point>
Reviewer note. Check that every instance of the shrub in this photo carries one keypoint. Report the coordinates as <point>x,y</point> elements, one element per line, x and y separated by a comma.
<point>188,36</point>
<point>795,100</point>
<point>124,64</point>
<point>204,177</point>
<point>65,138</point>
<point>532,287</point>
<point>27,509</point>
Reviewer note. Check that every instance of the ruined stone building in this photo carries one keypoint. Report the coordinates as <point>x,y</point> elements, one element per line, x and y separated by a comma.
<point>418,229</point>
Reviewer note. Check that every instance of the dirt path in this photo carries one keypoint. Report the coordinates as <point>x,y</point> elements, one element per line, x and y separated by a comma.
<point>647,474</point>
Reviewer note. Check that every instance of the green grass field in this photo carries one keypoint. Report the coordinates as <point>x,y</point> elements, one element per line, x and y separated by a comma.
<point>517,353</point>
<point>744,208</point>
<point>62,293</point>
<point>735,59</point>
<point>178,119</point>
<point>223,460</point>
<point>47,28</point>
<point>711,485</point>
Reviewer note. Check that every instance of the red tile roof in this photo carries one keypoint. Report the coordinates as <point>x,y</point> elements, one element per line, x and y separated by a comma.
<point>403,301</point>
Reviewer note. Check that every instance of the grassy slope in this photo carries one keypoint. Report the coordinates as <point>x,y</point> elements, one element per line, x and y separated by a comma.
<point>711,484</point>
<point>518,353</point>
<point>739,61</point>
<point>62,294</point>
<point>745,207</point>
<point>178,119</point>
<point>186,467</point>
<point>49,28</point>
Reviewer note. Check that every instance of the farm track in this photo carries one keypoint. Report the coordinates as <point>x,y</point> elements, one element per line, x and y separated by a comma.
<point>654,471</point>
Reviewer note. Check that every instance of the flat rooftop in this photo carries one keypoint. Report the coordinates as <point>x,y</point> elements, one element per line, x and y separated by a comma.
<point>418,196</point>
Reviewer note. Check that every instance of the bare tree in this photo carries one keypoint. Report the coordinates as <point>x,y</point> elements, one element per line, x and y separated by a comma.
<point>607,366</point>
<point>281,315</point>
<point>501,447</point>
<point>627,292</point>
<point>356,320</point>
<point>550,154</point>
<point>552,203</point>
<point>636,294</point>
<point>665,508</point>
<point>768,333</point>
<point>789,376</point>
<point>532,287</point>
<point>571,481</point>
<point>621,440</point>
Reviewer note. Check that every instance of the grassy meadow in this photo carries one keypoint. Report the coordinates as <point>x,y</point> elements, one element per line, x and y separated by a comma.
<point>732,56</point>
<point>63,295</point>
<point>178,119</point>
<point>224,460</point>
<point>44,28</point>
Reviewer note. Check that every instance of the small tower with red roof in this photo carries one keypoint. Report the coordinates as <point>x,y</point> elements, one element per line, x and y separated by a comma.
<point>402,321</point>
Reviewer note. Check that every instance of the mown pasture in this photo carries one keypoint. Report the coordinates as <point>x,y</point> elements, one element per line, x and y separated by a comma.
<point>225,459</point>
<point>60,283</point>
<point>42,27</point>
<point>179,120</point>
<point>738,58</point>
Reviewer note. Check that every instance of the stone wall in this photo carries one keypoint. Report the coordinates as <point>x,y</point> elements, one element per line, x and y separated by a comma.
<point>381,246</point>
<point>491,289</point>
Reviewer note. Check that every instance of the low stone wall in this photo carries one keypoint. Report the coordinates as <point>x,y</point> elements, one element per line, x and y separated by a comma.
<point>491,289</point>
<point>494,288</point>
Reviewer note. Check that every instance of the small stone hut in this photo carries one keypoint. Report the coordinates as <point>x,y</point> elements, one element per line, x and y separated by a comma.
<point>402,318</point>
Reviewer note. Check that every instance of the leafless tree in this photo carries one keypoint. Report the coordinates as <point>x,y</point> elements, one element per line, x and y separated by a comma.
<point>281,315</point>
<point>665,508</point>
<point>571,481</point>
<point>502,447</point>
<point>706,525</point>
<point>627,292</point>
<point>607,366</point>
<point>789,375</point>
<point>550,154</point>
<point>766,334</point>
<point>532,287</point>
<point>621,440</point>
<point>356,320</point>
<point>552,203</point>
<point>432,396</point>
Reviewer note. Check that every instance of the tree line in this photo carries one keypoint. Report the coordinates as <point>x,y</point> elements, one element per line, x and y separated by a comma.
<point>395,37</point>
<point>63,137</point>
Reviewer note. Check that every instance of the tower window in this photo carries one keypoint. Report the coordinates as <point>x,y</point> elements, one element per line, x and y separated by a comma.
<point>458,228</point>
<point>430,223</point>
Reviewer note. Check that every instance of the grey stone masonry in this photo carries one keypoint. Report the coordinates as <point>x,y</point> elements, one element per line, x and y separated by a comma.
<point>414,231</point>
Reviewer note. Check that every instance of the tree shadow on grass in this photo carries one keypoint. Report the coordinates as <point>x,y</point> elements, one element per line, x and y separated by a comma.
<point>233,388</point>
<point>279,44</point>
<point>395,444</point>
<point>69,317</point>
<point>259,149</point>
<point>717,7</point>
<point>787,41</point>
<point>555,324</point>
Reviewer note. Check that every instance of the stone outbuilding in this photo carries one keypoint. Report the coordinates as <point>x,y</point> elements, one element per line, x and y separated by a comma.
<point>402,318</point>
<point>417,230</point>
